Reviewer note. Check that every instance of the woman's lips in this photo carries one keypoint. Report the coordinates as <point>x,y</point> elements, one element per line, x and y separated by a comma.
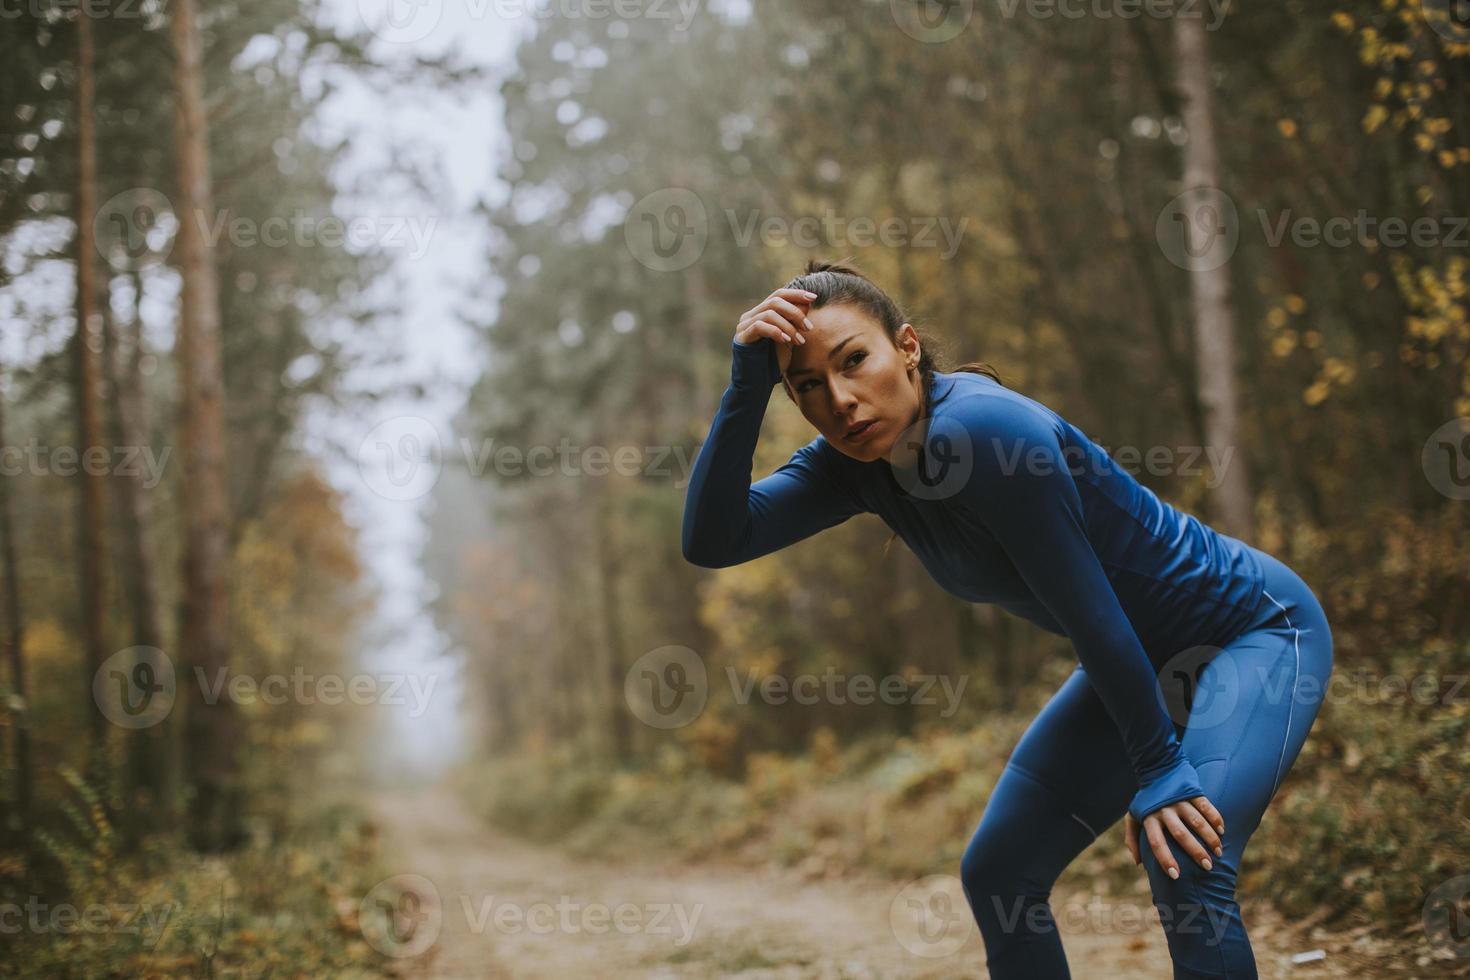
<point>862,433</point>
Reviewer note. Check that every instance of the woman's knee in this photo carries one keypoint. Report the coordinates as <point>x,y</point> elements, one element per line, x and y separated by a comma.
<point>987,870</point>
<point>1197,909</point>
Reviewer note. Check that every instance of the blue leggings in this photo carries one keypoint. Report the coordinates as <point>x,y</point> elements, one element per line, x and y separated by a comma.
<point>1069,779</point>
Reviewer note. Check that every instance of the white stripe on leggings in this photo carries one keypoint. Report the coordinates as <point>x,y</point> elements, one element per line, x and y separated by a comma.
<point>1297,649</point>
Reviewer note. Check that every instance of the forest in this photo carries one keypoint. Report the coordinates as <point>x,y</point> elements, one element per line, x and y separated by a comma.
<point>286,402</point>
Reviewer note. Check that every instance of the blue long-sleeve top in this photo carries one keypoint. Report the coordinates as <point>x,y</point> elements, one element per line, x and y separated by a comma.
<point>1009,504</point>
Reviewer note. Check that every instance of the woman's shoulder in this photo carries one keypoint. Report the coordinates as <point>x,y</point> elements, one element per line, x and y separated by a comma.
<point>984,409</point>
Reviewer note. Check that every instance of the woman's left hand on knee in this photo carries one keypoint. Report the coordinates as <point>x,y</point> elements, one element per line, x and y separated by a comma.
<point>1184,820</point>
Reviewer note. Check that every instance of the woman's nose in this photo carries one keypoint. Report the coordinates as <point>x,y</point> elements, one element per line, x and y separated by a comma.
<point>843,400</point>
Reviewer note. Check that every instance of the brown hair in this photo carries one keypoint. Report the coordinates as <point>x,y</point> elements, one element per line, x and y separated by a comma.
<point>837,284</point>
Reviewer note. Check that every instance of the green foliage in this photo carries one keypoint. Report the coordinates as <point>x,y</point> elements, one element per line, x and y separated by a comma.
<point>286,904</point>
<point>1382,788</point>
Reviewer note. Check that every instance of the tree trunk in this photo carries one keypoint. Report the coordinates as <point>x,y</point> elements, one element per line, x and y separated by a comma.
<point>609,571</point>
<point>1214,317</point>
<point>91,556</point>
<point>14,642</point>
<point>151,768</point>
<point>211,730</point>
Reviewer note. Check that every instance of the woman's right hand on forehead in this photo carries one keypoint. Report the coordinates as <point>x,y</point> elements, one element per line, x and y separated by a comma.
<point>782,317</point>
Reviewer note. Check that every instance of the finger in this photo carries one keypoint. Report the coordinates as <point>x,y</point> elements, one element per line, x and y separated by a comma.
<point>763,325</point>
<point>797,296</point>
<point>771,325</point>
<point>1197,822</point>
<point>789,311</point>
<point>785,326</point>
<point>1216,819</point>
<point>1160,848</point>
<point>1186,840</point>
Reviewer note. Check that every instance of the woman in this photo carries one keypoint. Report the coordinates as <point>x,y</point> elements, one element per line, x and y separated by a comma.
<point>1005,502</point>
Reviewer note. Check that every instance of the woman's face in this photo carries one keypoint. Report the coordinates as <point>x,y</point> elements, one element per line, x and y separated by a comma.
<point>848,372</point>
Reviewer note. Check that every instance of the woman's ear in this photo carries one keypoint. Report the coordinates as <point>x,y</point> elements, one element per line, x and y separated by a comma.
<point>908,342</point>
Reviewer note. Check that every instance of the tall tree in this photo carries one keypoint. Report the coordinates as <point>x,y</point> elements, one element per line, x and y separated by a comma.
<point>1214,315</point>
<point>14,639</point>
<point>151,767</point>
<point>91,532</point>
<point>211,729</point>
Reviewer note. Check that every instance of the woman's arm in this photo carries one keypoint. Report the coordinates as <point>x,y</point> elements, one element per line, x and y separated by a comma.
<point>1020,488</point>
<point>727,520</point>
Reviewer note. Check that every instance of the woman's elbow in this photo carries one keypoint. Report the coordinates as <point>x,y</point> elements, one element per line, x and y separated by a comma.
<point>703,556</point>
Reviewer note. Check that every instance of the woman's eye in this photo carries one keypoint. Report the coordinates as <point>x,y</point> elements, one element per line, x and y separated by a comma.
<point>856,354</point>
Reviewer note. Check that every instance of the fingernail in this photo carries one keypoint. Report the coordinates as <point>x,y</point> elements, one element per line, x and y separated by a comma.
<point>808,292</point>
<point>808,324</point>
<point>1174,873</point>
<point>1208,865</point>
<point>1219,853</point>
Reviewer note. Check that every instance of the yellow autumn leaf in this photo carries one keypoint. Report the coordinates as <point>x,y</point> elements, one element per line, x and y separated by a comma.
<point>1375,117</point>
<point>1295,304</point>
<point>1316,394</point>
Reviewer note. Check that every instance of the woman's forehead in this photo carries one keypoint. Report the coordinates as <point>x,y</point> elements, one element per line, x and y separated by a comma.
<point>845,316</point>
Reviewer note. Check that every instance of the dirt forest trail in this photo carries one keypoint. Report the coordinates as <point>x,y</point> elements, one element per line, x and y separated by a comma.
<point>510,909</point>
